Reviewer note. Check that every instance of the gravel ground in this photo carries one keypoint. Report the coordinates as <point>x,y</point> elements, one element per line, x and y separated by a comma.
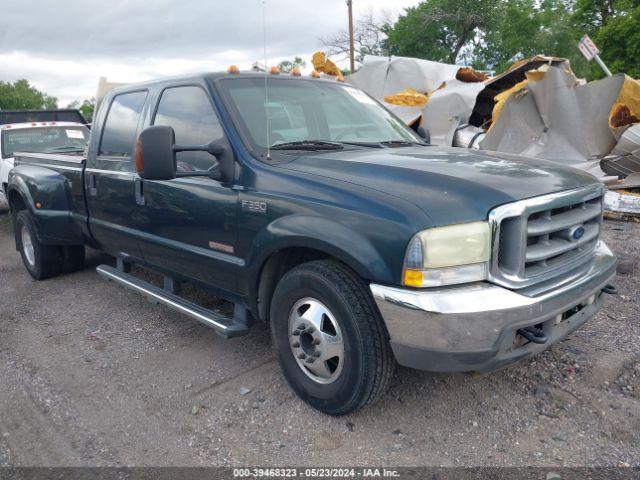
<point>95,375</point>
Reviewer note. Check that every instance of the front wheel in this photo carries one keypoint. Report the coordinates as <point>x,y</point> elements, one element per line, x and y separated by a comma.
<point>330,340</point>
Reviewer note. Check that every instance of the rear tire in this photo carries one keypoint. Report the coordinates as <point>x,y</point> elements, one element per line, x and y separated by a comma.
<point>41,261</point>
<point>331,343</point>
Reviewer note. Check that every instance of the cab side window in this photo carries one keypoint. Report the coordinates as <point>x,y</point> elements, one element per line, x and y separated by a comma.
<point>189,111</point>
<point>119,132</point>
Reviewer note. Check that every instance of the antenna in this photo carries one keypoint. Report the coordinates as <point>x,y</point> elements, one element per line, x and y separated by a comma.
<point>266,75</point>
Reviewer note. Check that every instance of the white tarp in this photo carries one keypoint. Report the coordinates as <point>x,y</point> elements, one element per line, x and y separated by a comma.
<point>548,113</point>
<point>557,118</point>
<point>448,108</point>
<point>382,76</point>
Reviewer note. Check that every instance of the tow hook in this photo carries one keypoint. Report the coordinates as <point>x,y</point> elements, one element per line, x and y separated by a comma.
<point>610,289</point>
<point>533,334</point>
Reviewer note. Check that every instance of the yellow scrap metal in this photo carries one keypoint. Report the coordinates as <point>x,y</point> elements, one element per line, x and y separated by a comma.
<point>534,75</point>
<point>501,99</point>
<point>408,97</point>
<point>537,74</point>
<point>537,58</point>
<point>469,75</point>
<point>626,109</point>
<point>322,64</point>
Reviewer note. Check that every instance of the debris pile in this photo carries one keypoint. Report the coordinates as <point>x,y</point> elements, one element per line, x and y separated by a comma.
<point>537,108</point>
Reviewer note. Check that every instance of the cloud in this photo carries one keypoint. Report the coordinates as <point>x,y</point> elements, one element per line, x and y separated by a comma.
<point>63,47</point>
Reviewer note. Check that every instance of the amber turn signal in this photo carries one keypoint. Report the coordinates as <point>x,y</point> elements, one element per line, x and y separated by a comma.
<point>412,278</point>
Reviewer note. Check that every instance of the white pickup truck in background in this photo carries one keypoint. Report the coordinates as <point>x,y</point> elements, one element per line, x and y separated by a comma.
<point>37,137</point>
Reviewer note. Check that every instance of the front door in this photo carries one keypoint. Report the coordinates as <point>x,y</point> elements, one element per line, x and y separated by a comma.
<point>188,225</point>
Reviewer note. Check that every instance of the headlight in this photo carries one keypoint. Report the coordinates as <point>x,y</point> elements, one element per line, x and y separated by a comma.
<point>448,255</point>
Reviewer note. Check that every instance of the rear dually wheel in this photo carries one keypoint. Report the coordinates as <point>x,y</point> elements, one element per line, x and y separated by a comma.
<point>41,261</point>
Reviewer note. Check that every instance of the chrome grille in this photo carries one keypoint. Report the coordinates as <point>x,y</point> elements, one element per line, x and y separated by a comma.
<point>545,237</point>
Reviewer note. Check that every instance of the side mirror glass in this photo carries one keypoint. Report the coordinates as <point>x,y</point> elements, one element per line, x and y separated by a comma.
<point>154,153</point>
<point>424,134</point>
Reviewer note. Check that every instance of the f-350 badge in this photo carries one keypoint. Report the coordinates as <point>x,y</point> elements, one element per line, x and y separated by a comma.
<point>254,206</point>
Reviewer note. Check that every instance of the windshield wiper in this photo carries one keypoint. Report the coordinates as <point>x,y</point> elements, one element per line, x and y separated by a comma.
<point>402,143</point>
<point>362,144</point>
<point>308,145</point>
<point>339,144</point>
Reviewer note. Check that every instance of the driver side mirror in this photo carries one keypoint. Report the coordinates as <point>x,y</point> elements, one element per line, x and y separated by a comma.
<point>155,158</point>
<point>155,154</point>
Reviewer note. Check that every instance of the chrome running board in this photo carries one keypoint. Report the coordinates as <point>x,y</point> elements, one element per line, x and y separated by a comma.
<point>224,326</point>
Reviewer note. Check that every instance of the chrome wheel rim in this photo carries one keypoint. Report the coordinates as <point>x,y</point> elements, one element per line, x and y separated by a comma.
<point>27,246</point>
<point>316,340</point>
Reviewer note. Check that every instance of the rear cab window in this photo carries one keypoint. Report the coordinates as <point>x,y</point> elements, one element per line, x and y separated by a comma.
<point>120,129</point>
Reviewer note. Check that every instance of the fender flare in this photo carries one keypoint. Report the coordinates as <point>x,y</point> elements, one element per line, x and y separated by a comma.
<point>322,234</point>
<point>17,186</point>
<point>52,221</point>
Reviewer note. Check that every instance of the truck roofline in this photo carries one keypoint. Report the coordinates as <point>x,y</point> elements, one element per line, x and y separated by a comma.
<point>212,76</point>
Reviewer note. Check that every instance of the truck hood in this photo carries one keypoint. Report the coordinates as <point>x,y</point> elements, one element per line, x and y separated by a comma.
<point>451,185</point>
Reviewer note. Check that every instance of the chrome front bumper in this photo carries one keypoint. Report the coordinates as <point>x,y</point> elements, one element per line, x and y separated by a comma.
<point>473,327</point>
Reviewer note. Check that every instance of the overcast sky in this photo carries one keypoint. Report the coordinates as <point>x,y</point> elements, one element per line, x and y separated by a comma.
<point>64,46</point>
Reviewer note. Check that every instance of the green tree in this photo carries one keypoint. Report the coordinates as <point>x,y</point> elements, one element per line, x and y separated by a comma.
<point>511,38</point>
<point>440,29</point>
<point>619,41</point>
<point>614,25</point>
<point>494,34</point>
<point>87,107</point>
<point>590,15</point>
<point>286,66</point>
<point>20,95</point>
<point>527,28</point>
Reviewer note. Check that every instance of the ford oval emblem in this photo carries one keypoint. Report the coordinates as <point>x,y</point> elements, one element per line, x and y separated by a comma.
<point>577,233</point>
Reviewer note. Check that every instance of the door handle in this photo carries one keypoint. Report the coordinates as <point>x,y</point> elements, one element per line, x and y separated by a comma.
<point>138,186</point>
<point>92,185</point>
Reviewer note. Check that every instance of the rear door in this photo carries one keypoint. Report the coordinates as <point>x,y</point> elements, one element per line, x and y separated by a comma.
<point>188,225</point>
<point>110,177</point>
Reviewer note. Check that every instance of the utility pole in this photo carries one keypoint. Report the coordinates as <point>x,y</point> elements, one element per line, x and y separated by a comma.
<point>352,59</point>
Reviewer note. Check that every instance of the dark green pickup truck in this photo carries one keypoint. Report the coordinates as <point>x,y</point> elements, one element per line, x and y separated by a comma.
<point>308,205</point>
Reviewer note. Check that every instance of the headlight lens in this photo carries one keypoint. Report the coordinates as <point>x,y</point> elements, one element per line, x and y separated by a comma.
<point>448,255</point>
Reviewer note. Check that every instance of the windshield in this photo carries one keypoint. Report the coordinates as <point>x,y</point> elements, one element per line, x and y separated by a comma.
<point>57,139</point>
<point>301,111</point>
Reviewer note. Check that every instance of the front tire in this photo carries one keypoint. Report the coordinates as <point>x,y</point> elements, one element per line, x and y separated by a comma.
<point>330,340</point>
<point>41,261</point>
